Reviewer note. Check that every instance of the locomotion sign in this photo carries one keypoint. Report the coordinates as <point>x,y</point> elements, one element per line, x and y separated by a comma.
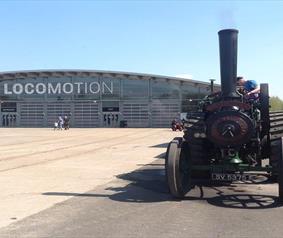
<point>59,88</point>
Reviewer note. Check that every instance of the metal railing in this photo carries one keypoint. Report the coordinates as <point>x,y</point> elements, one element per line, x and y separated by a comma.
<point>276,124</point>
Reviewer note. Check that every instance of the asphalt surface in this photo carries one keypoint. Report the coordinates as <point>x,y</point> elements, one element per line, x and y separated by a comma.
<point>137,204</point>
<point>34,161</point>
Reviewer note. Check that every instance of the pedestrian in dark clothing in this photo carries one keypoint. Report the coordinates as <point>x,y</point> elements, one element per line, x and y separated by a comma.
<point>108,120</point>
<point>66,123</point>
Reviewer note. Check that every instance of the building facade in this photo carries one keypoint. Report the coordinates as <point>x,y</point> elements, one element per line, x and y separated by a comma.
<point>94,98</point>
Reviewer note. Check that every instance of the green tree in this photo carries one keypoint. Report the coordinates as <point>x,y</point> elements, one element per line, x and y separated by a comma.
<point>276,104</point>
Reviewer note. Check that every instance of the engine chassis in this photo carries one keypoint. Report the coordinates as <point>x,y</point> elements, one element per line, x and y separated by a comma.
<point>231,133</point>
<point>181,176</point>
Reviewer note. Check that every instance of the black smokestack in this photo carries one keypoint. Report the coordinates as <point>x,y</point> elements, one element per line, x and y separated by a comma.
<point>228,45</point>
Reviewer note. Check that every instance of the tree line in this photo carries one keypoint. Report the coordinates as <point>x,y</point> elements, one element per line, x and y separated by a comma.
<point>276,104</point>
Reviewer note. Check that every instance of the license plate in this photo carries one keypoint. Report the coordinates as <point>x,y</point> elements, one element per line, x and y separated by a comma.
<point>231,177</point>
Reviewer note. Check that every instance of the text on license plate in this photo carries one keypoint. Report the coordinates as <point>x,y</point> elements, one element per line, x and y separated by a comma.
<point>231,177</point>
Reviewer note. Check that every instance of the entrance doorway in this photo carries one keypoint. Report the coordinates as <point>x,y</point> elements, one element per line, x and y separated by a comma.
<point>111,114</point>
<point>8,115</point>
<point>111,119</point>
<point>9,119</point>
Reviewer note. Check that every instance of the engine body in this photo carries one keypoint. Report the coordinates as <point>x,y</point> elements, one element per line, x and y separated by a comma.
<point>229,131</point>
<point>229,127</point>
<point>229,135</point>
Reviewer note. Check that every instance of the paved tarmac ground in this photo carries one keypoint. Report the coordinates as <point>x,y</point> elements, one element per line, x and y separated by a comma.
<point>110,183</point>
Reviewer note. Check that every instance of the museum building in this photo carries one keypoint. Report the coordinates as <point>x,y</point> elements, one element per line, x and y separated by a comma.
<point>95,98</point>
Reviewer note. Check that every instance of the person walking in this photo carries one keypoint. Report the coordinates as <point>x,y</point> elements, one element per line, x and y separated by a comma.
<point>60,122</point>
<point>66,123</point>
<point>55,125</point>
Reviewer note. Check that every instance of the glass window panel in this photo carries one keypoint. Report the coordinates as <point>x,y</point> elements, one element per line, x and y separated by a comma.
<point>86,88</point>
<point>135,88</point>
<point>189,91</point>
<point>165,89</point>
<point>6,91</point>
<point>110,88</point>
<point>35,88</point>
<point>203,91</point>
<point>60,88</point>
<point>191,95</point>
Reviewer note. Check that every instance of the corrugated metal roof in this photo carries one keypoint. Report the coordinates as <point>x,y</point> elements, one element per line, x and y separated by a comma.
<point>84,73</point>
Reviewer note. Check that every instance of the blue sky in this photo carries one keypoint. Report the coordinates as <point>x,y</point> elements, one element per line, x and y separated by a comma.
<point>159,37</point>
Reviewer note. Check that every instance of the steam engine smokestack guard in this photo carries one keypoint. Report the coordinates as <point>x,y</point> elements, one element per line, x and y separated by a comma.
<point>228,136</point>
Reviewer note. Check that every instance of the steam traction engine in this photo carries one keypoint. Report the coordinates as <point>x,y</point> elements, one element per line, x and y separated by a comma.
<point>229,135</point>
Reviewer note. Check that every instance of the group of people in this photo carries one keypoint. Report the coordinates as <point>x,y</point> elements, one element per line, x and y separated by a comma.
<point>110,119</point>
<point>177,124</point>
<point>62,122</point>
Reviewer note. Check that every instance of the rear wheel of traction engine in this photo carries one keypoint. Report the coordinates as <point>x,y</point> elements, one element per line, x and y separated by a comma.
<point>280,175</point>
<point>274,159</point>
<point>177,168</point>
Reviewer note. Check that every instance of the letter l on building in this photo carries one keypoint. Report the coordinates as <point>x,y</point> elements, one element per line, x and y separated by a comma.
<point>6,90</point>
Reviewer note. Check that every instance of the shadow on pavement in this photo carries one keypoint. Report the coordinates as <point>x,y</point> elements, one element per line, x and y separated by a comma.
<point>163,145</point>
<point>245,201</point>
<point>148,185</point>
<point>161,156</point>
<point>240,200</point>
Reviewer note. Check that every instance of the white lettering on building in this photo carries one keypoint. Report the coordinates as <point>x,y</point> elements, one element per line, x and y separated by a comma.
<point>59,88</point>
<point>78,87</point>
<point>105,86</point>
<point>17,88</point>
<point>6,90</point>
<point>66,86</point>
<point>40,88</point>
<point>54,90</point>
<point>29,88</point>
<point>94,87</point>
